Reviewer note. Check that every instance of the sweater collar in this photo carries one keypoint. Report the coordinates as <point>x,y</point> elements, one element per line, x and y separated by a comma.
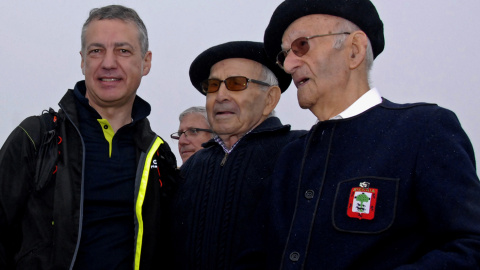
<point>271,124</point>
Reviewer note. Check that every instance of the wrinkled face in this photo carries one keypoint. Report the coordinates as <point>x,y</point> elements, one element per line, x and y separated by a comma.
<point>188,145</point>
<point>112,63</point>
<point>233,113</point>
<point>323,69</point>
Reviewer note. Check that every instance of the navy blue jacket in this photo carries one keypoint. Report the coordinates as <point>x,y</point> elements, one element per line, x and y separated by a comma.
<point>217,214</point>
<point>421,165</point>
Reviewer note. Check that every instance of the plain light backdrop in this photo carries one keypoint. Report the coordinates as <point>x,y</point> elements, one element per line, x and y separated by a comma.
<point>431,55</point>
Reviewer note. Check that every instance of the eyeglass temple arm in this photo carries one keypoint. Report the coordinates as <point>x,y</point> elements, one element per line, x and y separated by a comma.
<point>259,82</point>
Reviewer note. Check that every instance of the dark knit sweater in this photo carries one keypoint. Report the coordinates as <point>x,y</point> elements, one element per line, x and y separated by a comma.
<point>217,211</point>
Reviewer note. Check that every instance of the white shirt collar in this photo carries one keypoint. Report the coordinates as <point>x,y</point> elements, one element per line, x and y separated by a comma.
<point>368,100</point>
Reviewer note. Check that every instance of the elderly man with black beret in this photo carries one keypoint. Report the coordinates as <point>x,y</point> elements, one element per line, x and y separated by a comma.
<point>374,184</point>
<point>220,205</point>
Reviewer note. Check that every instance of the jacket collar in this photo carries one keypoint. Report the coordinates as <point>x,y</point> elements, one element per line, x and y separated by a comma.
<point>141,109</point>
<point>271,124</point>
<point>143,134</point>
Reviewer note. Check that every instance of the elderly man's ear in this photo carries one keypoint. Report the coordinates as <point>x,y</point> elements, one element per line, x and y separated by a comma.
<point>358,42</point>
<point>272,99</point>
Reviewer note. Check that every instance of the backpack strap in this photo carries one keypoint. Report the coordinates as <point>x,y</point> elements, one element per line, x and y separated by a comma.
<point>47,153</point>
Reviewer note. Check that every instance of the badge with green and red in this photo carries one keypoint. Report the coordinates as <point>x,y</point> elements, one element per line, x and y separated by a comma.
<point>362,201</point>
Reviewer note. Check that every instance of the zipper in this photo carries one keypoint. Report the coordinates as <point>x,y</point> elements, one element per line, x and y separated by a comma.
<point>77,246</point>
<point>224,160</point>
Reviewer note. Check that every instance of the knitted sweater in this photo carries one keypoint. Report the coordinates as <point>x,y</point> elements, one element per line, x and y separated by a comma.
<point>218,209</point>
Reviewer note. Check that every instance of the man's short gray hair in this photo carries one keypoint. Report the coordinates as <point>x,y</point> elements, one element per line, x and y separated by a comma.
<point>269,77</point>
<point>121,13</point>
<point>348,26</point>
<point>195,109</point>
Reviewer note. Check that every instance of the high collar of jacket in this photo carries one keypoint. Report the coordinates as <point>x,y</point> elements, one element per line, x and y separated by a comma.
<point>140,110</point>
<point>143,134</point>
<point>271,124</point>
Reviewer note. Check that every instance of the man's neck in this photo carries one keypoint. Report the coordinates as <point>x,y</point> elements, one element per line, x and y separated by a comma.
<point>230,140</point>
<point>117,117</point>
<point>337,101</point>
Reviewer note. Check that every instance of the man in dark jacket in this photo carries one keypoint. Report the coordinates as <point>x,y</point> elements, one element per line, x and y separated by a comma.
<point>105,201</point>
<point>219,209</point>
<point>374,184</point>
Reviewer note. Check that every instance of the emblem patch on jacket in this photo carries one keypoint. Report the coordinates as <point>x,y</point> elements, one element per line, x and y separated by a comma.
<point>362,202</point>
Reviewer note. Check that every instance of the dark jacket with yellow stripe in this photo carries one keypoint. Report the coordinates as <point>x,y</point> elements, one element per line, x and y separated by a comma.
<point>40,227</point>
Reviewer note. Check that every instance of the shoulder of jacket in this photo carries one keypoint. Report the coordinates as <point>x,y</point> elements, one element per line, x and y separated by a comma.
<point>33,128</point>
<point>166,154</point>
<point>421,105</point>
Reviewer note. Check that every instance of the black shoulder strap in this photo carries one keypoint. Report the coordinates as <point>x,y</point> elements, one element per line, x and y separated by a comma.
<point>47,153</point>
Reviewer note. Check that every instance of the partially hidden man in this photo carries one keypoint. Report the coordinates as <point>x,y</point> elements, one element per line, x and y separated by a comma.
<point>218,210</point>
<point>104,203</point>
<point>374,184</point>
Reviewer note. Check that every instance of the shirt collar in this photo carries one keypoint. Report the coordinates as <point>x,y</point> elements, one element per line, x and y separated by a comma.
<point>222,143</point>
<point>368,100</point>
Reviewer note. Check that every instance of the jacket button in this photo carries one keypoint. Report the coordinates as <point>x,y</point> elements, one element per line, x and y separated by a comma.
<point>294,256</point>
<point>105,127</point>
<point>309,194</point>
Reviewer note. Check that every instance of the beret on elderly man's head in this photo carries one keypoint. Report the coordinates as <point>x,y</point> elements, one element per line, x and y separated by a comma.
<point>200,67</point>
<point>360,12</point>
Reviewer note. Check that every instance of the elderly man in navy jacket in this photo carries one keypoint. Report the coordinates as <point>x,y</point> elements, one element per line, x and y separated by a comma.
<point>219,210</point>
<point>374,184</point>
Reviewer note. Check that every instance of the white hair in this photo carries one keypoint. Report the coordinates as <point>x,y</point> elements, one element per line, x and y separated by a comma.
<point>269,77</point>
<point>347,26</point>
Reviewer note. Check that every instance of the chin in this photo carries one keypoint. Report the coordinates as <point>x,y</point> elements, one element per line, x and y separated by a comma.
<point>185,158</point>
<point>303,104</point>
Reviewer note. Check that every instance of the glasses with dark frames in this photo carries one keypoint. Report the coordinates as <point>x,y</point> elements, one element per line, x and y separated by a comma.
<point>300,47</point>
<point>189,132</point>
<point>234,83</point>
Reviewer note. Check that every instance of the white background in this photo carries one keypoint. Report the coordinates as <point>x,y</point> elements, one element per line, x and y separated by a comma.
<point>431,55</point>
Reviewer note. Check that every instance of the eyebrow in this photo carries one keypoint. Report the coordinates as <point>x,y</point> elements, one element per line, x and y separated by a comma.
<point>116,44</point>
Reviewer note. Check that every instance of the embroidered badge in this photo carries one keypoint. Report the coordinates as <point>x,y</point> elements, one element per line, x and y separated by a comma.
<point>362,202</point>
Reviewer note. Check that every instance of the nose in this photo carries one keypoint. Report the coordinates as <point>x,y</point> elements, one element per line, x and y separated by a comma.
<point>222,93</point>
<point>183,140</point>
<point>109,60</point>
<point>292,62</point>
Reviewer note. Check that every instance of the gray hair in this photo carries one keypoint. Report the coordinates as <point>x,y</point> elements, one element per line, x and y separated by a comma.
<point>195,109</point>
<point>269,77</point>
<point>348,26</point>
<point>121,13</point>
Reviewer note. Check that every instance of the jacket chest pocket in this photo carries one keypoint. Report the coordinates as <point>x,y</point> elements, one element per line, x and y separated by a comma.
<point>365,204</point>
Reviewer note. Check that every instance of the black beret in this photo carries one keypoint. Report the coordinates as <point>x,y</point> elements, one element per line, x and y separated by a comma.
<point>361,12</point>
<point>200,67</point>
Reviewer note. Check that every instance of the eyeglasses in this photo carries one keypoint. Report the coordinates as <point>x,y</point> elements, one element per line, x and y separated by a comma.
<point>300,47</point>
<point>189,132</point>
<point>235,83</point>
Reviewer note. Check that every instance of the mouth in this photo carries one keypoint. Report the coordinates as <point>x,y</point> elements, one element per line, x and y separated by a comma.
<point>109,79</point>
<point>186,154</point>
<point>224,109</point>
<point>186,151</point>
<point>223,113</point>
<point>301,82</point>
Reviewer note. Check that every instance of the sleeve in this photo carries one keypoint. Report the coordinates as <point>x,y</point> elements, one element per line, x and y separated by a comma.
<point>17,167</point>
<point>168,167</point>
<point>448,190</point>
